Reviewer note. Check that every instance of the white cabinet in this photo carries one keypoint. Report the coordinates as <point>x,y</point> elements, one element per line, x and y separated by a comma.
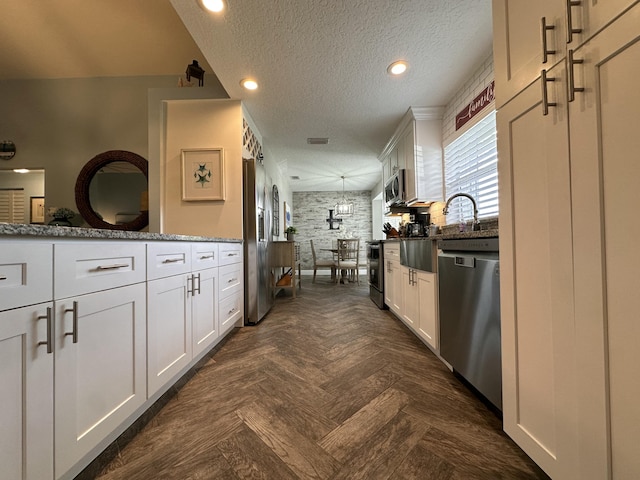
<point>419,311</point>
<point>427,327</point>
<point>26,276</point>
<point>410,298</point>
<point>26,392</point>
<point>169,290</point>
<point>204,296</point>
<point>99,347</point>
<point>392,277</point>
<point>230,287</point>
<point>522,30</point>
<point>568,296</point>
<point>416,147</point>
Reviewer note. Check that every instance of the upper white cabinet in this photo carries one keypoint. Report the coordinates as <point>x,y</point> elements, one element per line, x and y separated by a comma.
<point>568,293</point>
<point>531,36</point>
<point>416,147</point>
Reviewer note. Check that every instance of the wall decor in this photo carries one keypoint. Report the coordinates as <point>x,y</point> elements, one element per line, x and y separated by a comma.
<point>287,216</point>
<point>202,174</point>
<point>37,210</point>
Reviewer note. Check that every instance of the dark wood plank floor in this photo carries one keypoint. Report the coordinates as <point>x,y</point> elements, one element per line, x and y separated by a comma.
<point>326,387</point>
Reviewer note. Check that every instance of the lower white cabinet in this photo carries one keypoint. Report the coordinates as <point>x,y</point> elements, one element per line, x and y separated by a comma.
<point>168,329</point>
<point>26,393</point>
<point>393,278</point>
<point>230,291</point>
<point>204,310</point>
<point>428,306</point>
<point>99,368</point>
<point>420,309</point>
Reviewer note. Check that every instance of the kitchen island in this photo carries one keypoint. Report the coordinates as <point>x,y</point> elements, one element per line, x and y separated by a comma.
<point>96,326</point>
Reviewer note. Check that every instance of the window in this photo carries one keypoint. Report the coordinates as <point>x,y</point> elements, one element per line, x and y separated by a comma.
<point>12,206</point>
<point>471,166</point>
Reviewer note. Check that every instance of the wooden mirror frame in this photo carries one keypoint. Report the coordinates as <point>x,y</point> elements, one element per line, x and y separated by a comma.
<point>92,167</point>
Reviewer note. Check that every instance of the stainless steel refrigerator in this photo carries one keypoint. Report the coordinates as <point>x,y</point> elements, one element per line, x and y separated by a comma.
<point>257,215</point>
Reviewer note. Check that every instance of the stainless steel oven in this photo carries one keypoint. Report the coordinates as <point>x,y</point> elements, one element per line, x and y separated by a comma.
<point>376,272</point>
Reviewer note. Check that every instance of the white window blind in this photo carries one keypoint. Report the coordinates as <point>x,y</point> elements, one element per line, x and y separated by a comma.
<point>12,206</point>
<point>471,166</point>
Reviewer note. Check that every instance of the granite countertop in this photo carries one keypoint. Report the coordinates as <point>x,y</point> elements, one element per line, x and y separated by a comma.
<point>488,228</point>
<point>11,229</point>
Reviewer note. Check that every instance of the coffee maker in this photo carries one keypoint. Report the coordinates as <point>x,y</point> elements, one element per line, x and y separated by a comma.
<point>418,225</point>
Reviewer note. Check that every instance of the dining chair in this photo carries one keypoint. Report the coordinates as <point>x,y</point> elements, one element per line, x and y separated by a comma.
<point>322,263</point>
<point>349,259</point>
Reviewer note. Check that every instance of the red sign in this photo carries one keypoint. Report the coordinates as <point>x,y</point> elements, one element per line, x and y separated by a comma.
<point>485,98</point>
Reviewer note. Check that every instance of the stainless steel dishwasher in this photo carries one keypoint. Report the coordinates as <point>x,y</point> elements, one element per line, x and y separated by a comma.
<point>469,299</point>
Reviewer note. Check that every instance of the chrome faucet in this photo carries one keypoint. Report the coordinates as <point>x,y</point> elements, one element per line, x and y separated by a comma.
<point>445,210</point>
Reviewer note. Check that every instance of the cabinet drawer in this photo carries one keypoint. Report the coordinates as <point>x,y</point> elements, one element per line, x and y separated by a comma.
<point>26,274</point>
<point>230,282</point>
<point>168,258</point>
<point>230,253</point>
<point>392,251</point>
<point>85,267</point>
<point>204,255</point>
<point>230,310</point>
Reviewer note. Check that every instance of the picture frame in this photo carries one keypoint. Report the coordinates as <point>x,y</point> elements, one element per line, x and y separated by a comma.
<point>202,174</point>
<point>36,215</point>
<point>287,216</point>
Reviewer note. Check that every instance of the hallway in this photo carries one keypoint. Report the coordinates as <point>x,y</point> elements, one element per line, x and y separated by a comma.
<point>327,386</point>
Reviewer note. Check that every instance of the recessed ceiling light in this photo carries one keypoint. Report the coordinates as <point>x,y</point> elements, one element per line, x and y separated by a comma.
<point>215,6</point>
<point>249,83</point>
<point>21,170</point>
<point>398,68</point>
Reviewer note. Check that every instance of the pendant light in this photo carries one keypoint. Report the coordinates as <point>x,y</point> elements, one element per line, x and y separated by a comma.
<point>343,207</point>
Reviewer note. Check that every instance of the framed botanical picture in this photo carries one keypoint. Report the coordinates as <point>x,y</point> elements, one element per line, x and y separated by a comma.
<point>202,174</point>
<point>37,210</point>
<point>287,216</point>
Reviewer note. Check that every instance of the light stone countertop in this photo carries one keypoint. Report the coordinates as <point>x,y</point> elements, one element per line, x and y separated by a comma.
<point>21,230</point>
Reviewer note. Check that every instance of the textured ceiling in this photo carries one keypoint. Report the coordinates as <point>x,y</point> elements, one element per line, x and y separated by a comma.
<point>321,64</point>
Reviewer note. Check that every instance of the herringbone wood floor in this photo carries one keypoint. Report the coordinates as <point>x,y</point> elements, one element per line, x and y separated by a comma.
<point>326,387</point>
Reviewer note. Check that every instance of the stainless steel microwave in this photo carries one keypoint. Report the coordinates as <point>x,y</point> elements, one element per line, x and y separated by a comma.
<point>394,189</point>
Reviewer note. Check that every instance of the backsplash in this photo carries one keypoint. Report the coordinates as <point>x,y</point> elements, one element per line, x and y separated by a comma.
<point>309,215</point>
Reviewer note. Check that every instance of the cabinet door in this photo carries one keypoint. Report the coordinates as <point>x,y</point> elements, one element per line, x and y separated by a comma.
<point>605,177</point>
<point>100,371</point>
<point>428,319</point>
<point>26,273</point>
<point>26,395</point>
<point>517,42</point>
<point>409,162</point>
<point>410,303</point>
<point>204,309</point>
<point>536,286</point>
<point>169,335</point>
<point>591,16</point>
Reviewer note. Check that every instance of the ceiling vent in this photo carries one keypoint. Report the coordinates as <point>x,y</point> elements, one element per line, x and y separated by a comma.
<point>294,177</point>
<point>317,141</point>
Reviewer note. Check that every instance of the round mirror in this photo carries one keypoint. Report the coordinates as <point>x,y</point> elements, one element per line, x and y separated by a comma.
<point>111,191</point>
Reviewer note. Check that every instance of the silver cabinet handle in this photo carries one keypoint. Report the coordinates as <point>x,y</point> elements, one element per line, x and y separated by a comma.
<point>545,50</point>
<point>190,280</point>
<point>49,341</point>
<point>545,96</point>
<point>112,267</point>
<point>207,257</point>
<point>232,254</point>
<point>172,260</point>
<point>231,311</point>
<point>74,331</point>
<point>193,282</point>
<point>571,77</point>
<point>3,278</point>
<point>569,16</point>
<point>232,280</point>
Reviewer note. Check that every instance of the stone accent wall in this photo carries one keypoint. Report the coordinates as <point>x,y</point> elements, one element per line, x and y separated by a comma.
<point>309,214</point>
